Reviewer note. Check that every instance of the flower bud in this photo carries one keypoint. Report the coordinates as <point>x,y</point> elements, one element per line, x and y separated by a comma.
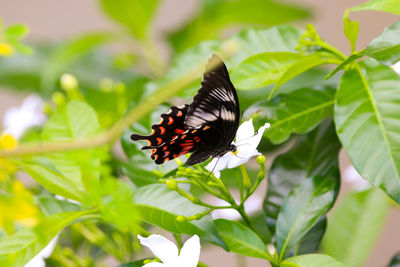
<point>69,82</point>
<point>171,184</point>
<point>260,159</point>
<point>181,218</point>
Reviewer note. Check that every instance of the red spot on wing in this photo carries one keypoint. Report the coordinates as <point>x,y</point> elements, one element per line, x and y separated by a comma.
<point>183,136</point>
<point>166,154</point>
<point>170,120</point>
<point>159,140</point>
<point>179,131</point>
<point>194,131</point>
<point>179,113</point>
<point>164,148</point>
<point>162,130</point>
<point>206,128</point>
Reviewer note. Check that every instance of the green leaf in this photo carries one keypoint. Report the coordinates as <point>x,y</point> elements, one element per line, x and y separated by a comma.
<point>386,47</point>
<point>355,225</point>
<point>69,53</point>
<point>310,243</point>
<point>297,112</point>
<point>241,239</point>
<point>51,205</point>
<point>344,64</point>
<point>19,248</point>
<point>368,122</point>
<point>395,262</point>
<point>161,206</point>
<point>45,174</point>
<point>75,121</point>
<point>302,208</point>
<point>311,260</point>
<point>134,14</point>
<point>16,32</point>
<point>263,69</point>
<point>243,44</point>
<point>313,154</point>
<point>351,29</point>
<point>133,264</point>
<point>390,6</point>
<point>297,68</point>
<point>216,16</point>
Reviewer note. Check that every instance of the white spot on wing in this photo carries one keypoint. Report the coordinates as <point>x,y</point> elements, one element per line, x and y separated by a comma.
<point>227,115</point>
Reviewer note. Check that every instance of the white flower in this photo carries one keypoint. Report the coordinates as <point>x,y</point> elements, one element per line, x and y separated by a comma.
<point>246,144</point>
<point>38,260</point>
<point>17,120</point>
<point>396,67</point>
<point>167,251</point>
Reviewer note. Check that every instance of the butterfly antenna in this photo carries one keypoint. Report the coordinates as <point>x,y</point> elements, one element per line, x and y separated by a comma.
<point>208,176</point>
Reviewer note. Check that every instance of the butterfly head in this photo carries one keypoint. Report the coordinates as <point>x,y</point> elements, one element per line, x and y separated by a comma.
<point>233,149</point>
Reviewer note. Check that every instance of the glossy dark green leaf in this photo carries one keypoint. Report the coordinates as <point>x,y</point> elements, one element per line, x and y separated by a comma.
<point>386,47</point>
<point>390,6</point>
<point>313,154</point>
<point>312,260</point>
<point>216,16</point>
<point>355,225</point>
<point>161,206</point>
<point>241,239</point>
<point>296,113</point>
<point>311,242</point>
<point>395,262</point>
<point>367,118</point>
<point>134,14</point>
<point>302,208</point>
<point>18,248</point>
<point>133,264</point>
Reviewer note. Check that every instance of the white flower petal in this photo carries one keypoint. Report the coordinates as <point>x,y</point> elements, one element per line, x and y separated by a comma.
<point>245,130</point>
<point>154,264</point>
<point>161,247</point>
<point>396,67</point>
<point>190,252</point>
<point>218,164</point>
<point>17,120</point>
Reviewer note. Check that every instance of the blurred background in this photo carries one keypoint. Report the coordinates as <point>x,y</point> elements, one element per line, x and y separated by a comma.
<point>53,22</point>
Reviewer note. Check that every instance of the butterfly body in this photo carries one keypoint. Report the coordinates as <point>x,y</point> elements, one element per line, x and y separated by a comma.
<point>206,127</point>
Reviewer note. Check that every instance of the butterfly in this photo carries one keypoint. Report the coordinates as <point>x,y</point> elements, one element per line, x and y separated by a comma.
<point>206,127</point>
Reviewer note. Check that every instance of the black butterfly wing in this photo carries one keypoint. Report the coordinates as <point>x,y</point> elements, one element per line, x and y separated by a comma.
<point>216,105</point>
<point>170,138</point>
<point>179,145</point>
<point>171,124</point>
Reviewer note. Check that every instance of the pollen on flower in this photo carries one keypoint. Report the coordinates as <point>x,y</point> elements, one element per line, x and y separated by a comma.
<point>7,141</point>
<point>6,49</point>
<point>235,152</point>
